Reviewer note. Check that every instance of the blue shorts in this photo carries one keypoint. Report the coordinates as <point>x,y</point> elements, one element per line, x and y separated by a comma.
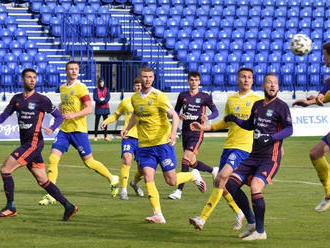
<point>265,169</point>
<point>78,140</point>
<point>325,139</point>
<point>233,157</point>
<point>130,145</point>
<point>154,155</point>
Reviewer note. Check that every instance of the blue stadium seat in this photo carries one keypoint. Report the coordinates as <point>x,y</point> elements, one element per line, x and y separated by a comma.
<point>169,36</point>
<point>216,11</point>
<point>305,22</point>
<point>211,34</point>
<point>192,60</point>
<point>95,4</point>
<point>234,57</point>
<point>249,45</point>
<point>236,44</point>
<point>288,57</point>
<point>255,11</point>
<point>206,60</point>
<point>232,69</point>
<point>275,57</point>
<point>181,51</point>
<point>100,26</point>
<point>3,15</point>
<point>263,45</point>
<point>46,14</point>
<point>261,57</point>
<point>220,57</point>
<point>190,2</point>
<point>219,72</point>
<point>266,22</point>
<point>277,34</point>
<point>259,71</point>
<point>292,22</point>
<point>276,45</point>
<point>327,24</point>
<point>25,60</point>
<point>317,45</point>
<point>35,5</point>
<point>317,34</point>
<point>56,26</point>
<point>41,61</point>
<point>267,3</point>
<point>293,11</point>
<point>195,45</point>
<point>80,4</point>
<point>52,76</point>
<point>202,11</point>
<point>86,27</point>
<point>240,22</point>
<point>172,24</point>
<point>267,11</point>
<point>11,24</point>
<point>51,4</point>
<point>315,81</point>
<point>138,6</point>
<point>10,60</point>
<point>159,27</point>
<point>287,81</point>
<point>315,57</point>
<point>250,34</point>
<point>306,12</point>
<point>15,48</point>
<point>318,12</point>
<point>89,13</point>
<point>6,75</point>
<point>317,23</point>
<point>326,35</point>
<point>247,59</point>
<point>3,50</point>
<point>242,11</point>
<point>223,44</point>
<point>209,45</point>
<point>237,34</point>
<point>6,36</point>
<point>229,10</point>
<point>301,75</point>
<point>224,34</point>
<point>306,3</point>
<point>66,4</point>
<point>325,71</point>
<point>279,22</point>
<point>280,11</point>
<point>253,22</point>
<point>104,13</point>
<point>160,2</point>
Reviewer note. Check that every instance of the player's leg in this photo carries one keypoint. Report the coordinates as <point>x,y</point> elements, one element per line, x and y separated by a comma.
<point>124,174</point>
<point>212,202</point>
<point>96,127</point>
<point>234,185</point>
<point>138,176</point>
<point>321,165</point>
<point>38,171</point>
<point>8,167</point>
<point>80,141</point>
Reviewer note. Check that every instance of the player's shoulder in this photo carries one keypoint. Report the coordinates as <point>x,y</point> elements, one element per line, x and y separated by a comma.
<point>157,92</point>
<point>281,102</point>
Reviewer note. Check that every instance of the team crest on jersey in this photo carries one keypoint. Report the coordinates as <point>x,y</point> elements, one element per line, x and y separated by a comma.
<point>269,112</point>
<point>149,102</point>
<point>198,100</point>
<point>237,108</point>
<point>141,108</point>
<point>31,106</point>
<point>248,103</point>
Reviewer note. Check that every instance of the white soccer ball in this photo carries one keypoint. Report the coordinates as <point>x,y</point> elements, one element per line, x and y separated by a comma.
<point>300,44</point>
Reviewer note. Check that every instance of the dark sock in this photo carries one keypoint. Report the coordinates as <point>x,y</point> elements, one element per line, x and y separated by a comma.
<point>184,168</point>
<point>259,206</point>
<point>234,188</point>
<point>8,185</point>
<point>55,192</point>
<point>203,167</point>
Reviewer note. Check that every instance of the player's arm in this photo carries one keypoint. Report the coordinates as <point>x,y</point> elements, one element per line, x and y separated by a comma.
<point>178,107</point>
<point>8,110</point>
<point>95,97</point>
<point>305,102</point>
<point>214,111</point>
<point>58,118</point>
<point>175,124</point>
<point>131,123</point>
<point>245,124</point>
<point>115,116</point>
<point>85,111</point>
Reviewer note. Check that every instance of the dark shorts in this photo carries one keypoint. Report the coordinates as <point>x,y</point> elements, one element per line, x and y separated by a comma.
<point>265,169</point>
<point>191,141</point>
<point>325,139</point>
<point>29,154</point>
<point>78,140</point>
<point>154,155</point>
<point>130,145</point>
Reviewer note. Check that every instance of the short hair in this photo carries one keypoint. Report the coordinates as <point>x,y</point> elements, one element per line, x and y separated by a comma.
<point>145,69</point>
<point>326,47</point>
<point>71,62</point>
<point>194,74</point>
<point>245,69</point>
<point>137,80</point>
<point>26,70</point>
<point>269,74</point>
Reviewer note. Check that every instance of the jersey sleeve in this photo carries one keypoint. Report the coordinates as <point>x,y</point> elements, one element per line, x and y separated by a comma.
<point>47,105</point>
<point>164,103</point>
<point>178,104</point>
<point>83,93</point>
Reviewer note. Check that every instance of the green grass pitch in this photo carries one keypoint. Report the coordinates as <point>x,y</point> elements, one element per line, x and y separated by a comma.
<point>106,222</point>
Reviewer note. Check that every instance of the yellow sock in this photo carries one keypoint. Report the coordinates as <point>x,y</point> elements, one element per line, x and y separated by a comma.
<point>98,167</point>
<point>231,203</point>
<point>183,177</point>
<point>52,170</point>
<point>124,174</point>
<point>138,176</point>
<point>153,197</point>
<point>321,165</point>
<point>211,203</point>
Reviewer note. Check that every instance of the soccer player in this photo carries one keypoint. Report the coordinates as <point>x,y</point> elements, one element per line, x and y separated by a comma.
<point>237,147</point>
<point>271,121</point>
<point>30,108</point>
<point>156,141</point>
<point>129,145</point>
<point>321,149</point>
<point>193,104</point>
<point>75,106</point>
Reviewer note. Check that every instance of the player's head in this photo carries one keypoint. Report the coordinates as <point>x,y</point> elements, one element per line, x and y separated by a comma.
<point>100,82</point>
<point>326,53</point>
<point>194,79</point>
<point>270,85</point>
<point>245,79</point>
<point>72,70</point>
<point>29,79</point>
<point>137,84</point>
<point>148,76</point>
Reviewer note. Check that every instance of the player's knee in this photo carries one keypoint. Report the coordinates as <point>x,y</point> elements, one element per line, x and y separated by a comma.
<point>170,181</point>
<point>314,154</point>
<point>233,185</point>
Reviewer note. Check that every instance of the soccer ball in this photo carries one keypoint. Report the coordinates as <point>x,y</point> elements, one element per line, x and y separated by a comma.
<point>300,44</point>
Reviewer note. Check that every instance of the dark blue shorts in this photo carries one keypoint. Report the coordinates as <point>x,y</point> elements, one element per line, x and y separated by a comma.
<point>191,141</point>
<point>233,157</point>
<point>154,155</point>
<point>265,169</point>
<point>29,154</point>
<point>78,140</point>
<point>130,145</point>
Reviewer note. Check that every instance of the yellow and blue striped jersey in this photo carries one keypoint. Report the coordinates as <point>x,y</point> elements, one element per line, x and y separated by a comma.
<point>240,106</point>
<point>72,101</point>
<point>152,123</point>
